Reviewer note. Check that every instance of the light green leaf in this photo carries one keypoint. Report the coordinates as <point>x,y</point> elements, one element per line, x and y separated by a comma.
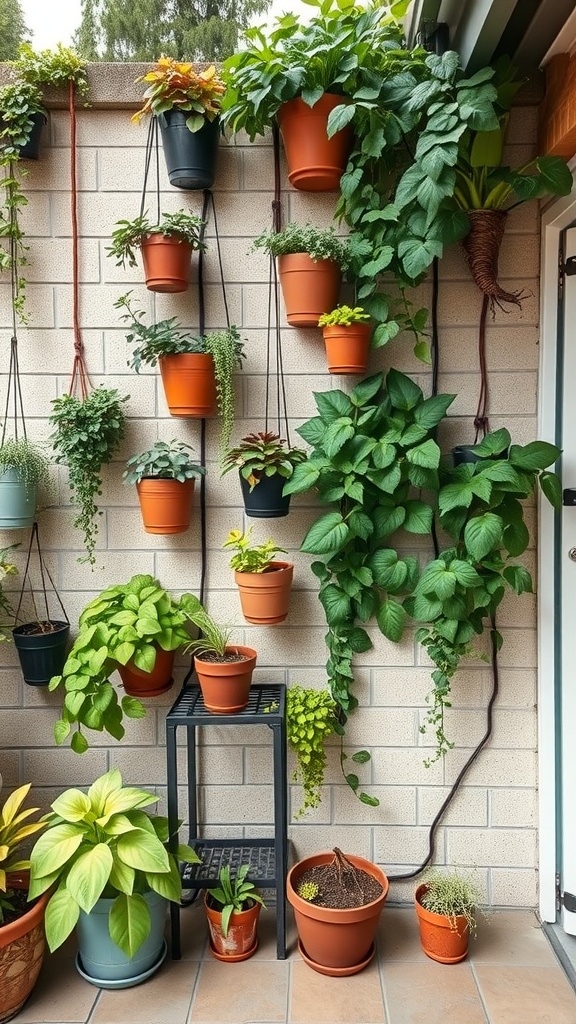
<point>72,805</point>
<point>129,922</point>
<point>61,917</point>
<point>327,535</point>
<point>482,534</point>
<point>142,851</point>
<point>54,848</point>
<point>88,876</point>
<point>103,788</point>
<point>122,877</point>
<point>426,454</point>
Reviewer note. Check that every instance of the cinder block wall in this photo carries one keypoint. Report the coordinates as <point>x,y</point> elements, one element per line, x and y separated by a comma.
<point>491,823</point>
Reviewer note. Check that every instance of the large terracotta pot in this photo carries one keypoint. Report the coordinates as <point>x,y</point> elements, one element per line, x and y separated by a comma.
<point>138,683</point>
<point>265,596</point>
<point>226,685</point>
<point>335,942</point>
<point>241,942</point>
<point>347,347</point>
<point>166,505</point>
<point>315,162</point>
<point>441,941</point>
<point>166,260</point>
<point>22,947</point>
<point>189,384</point>
<point>310,288</point>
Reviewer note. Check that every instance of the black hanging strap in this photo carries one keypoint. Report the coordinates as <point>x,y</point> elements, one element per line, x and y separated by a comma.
<point>35,536</point>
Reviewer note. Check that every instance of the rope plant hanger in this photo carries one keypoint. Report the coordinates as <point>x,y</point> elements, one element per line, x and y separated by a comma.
<point>41,623</point>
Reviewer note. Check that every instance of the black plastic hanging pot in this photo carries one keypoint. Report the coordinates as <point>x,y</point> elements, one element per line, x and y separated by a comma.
<point>190,156</point>
<point>42,654</point>
<point>31,149</point>
<point>463,453</point>
<point>266,500</point>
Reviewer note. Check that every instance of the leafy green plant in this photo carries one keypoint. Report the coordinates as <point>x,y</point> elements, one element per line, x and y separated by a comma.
<point>233,893</point>
<point>310,720</point>
<point>343,316</point>
<point>28,458</point>
<point>19,101</point>
<point>319,243</point>
<point>104,843</point>
<point>164,461</point>
<point>88,433</point>
<point>213,639</point>
<point>175,85</point>
<point>128,621</point>
<point>54,68</point>
<point>227,351</point>
<point>452,894</point>
<point>261,455</point>
<point>13,833</point>
<point>7,568</point>
<point>129,234</point>
<point>250,559</point>
<point>308,890</point>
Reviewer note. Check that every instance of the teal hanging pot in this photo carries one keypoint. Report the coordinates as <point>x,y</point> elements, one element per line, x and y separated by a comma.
<point>17,501</point>
<point>190,156</point>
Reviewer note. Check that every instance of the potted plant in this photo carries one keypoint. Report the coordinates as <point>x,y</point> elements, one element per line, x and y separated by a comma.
<point>22,942</point>
<point>166,248</point>
<point>187,104</point>
<point>7,568</point>
<point>24,467</point>
<point>347,339</point>
<point>164,476</point>
<point>264,583</point>
<point>114,875</point>
<point>87,435</point>
<point>232,911</point>
<point>265,462</point>
<point>446,904</point>
<point>197,372</point>
<point>22,117</point>
<point>224,669</point>
<point>310,264</point>
<point>337,901</point>
<point>133,628</point>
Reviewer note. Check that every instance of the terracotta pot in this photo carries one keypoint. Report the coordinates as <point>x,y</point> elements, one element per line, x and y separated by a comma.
<point>189,384</point>
<point>315,162</point>
<point>309,288</point>
<point>347,347</point>
<point>336,942</point>
<point>166,505</point>
<point>166,261</point>
<point>241,941</point>
<point>138,683</point>
<point>226,685</point>
<point>22,947</point>
<point>265,596</point>
<point>440,940</point>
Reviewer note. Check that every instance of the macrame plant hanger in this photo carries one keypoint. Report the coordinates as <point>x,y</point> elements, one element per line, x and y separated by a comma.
<point>79,379</point>
<point>275,382</point>
<point>44,572</point>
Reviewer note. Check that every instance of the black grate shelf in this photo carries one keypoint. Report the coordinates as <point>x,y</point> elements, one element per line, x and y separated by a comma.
<point>259,854</point>
<point>265,702</point>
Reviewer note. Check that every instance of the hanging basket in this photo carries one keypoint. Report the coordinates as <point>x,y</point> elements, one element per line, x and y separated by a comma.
<point>265,500</point>
<point>190,156</point>
<point>166,260</point>
<point>189,384</point>
<point>31,149</point>
<point>166,505</point>
<point>42,648</point>
<point>310,287</point>
<point>347,347</point>
<point>315,162</point>
<point>482,248</point>
<point>17,501</point>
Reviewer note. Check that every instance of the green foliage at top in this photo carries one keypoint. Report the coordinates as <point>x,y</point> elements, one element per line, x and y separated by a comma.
<point>343,316</point>
<point>233,893</point>
<point>129,234</point>
<point>88,433</point>
<point>14,831</point>
<point>319,243</point>
<point>18,102</point>
<point>310,719</point>
<point>213,638</point>
<point>12,29</point>
<point>56,68</point>
<point>176,86</point>
<point>452,894</point>
<point>104,843</point>
<point>164,461</point>
<point>261,455</point>
<point>256,558</point>
<point>28,458</point>
<point>7,568</point>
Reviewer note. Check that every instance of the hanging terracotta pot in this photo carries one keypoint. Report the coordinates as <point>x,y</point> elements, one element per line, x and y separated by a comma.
<point>347,347</point>
<point>315,162</point>
<point>226,685</point>
<point>265,596</point>
<point>189,384</point>
<point>309,287</point>
<point>22,948</point>
<point>441,940</point>
<point>166,505</point>
<point>336,942</point>
<point>265,500</point>
<point>241,940</point>
<point>166,260</point>
<point>138,683</point>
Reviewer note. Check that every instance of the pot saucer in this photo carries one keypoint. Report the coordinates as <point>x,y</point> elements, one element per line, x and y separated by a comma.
<point>235,958</point>
<point>122,982</point>
<point>336,972</point>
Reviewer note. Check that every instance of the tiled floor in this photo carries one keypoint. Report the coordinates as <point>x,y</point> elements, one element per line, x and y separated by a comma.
<point>510,977</point>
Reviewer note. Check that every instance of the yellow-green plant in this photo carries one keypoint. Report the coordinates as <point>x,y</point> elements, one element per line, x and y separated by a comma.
<point>310,719</point>
<point>250,559</point>
<point>343,316</point>
<point>6,569</point>
<point>14,829</point>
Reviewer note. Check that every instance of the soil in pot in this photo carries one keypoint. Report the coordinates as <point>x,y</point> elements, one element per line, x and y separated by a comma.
<point>42,649</point>
<point>225,681</point>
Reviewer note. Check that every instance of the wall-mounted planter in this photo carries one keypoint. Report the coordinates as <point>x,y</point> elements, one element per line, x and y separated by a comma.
<point>265,596</point>
<point>42,652</point>
<point>17,501</point>
<point>31,149</point>
<point>166,260</point>
<point>315,162</point>
<point>310,288</point>
<point>190,156</point>
<point>189,384</point>
<point>265,500</point>
<point>347,347</point>
<point>226,685</point>
<point>166,505</point>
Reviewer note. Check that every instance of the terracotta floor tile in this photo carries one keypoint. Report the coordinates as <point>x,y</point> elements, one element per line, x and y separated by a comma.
<point>193,932</point>
<point>430,993</point>
<point>60,995</point>
<point>267,944</point>
<point>511,937</point>
<point>237,993</point>
<point>526,995</point>
<point>317,999</point>
<point>398,937</point>
<point>164,999</point>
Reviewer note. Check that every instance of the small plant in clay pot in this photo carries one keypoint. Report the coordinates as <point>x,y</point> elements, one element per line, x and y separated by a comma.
<point>346,332</point>
<point>224,669</point>
<point>446,905</point>
<point>232,910</point>
<point>263,582</point>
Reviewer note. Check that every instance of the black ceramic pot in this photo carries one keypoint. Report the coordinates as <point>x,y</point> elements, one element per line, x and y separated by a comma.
<point>463,453</point>
<point>266,500</point>
<point>190,156</point>
<point>42,655</point>
<point>31,149</point>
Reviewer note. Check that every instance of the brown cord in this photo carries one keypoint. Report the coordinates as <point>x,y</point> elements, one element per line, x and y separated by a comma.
<point>482,248</point>
<point>79,377</point>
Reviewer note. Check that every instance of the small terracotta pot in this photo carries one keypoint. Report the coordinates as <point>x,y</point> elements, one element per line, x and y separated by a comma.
<point>138,683</point>
<point>265,596</point>
<point>336,942</point>
<point>166,260</point>
<point>441,941</point>
<point>226,685</point>
<point>315,162</point>
<point>347,347</point>
<point>189,384</point>
<point>166,505</point>
<point>309,287</point>
<point>241,942</point>
<point>22,948</point>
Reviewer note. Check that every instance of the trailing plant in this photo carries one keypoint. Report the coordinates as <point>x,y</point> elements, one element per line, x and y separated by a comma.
<point>28,458</point>
<point>164,462</point>
<point>249,558</point>
<point>7,568</point>
<point>234,894</point>
<point>13,833</point>
<point>88,433</point>
<point>52,68</point>
<point>343,316</point>
<point>262,455</point>
<point>129,234</point>
<point>19,101</point>
<point>310,720</point>
<point>319,243</point>
<point>104,843</point>
<point>126,622</point>
<point>452,894</point>
<point>227,351</point>
<point>175,85</point>
<point>213,638</point>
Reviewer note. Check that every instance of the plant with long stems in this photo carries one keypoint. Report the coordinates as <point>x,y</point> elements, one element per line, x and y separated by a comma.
<point>7,568</point>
